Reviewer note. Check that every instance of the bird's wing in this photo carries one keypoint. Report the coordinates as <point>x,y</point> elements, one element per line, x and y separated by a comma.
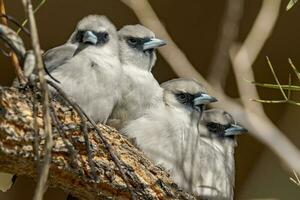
<point>58,56</point>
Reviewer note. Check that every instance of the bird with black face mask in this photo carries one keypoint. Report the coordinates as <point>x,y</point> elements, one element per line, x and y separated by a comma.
<point>87,66</point>
<point>212,172</point>
<point>140,90</point>
<point>168,133</point>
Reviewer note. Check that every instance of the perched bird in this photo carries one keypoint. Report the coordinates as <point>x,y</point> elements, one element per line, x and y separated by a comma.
<point>140,90</point>
<point>88,67</point>
<point>213,171</point>
<point>168,133</point>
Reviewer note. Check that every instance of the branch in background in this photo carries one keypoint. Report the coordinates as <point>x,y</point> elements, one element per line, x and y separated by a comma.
<point>20,75</point>
<point>171,52</point>
<point>44,170</point>
<point>18,156</point>
<point>243,60</point>
<point>220,65</point>
<point>260,127</point>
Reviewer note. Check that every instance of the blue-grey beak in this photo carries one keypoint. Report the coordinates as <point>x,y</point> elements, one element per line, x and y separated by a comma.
<point>204,99</point>
<point>89,37</point>
<point>153,43</point>
<point>235,129</point>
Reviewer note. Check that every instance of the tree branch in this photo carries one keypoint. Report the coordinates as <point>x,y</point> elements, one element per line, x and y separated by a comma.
<point>17,154</point>
<point>220,65</point>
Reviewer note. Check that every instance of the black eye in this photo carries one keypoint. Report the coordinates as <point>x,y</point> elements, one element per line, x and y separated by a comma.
<point>215,127</point>
<point>182,98</point>
<point>132,41</point>
<point>105,36</point>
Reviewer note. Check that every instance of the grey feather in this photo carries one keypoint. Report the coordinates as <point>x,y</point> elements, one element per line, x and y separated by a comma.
<point>169,134</point>
<point>57,56</point>
<point>140,90</point>
<point>89,73</point>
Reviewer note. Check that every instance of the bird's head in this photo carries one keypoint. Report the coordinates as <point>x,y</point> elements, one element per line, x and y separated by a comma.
<point>95,30</point>
<point>138,45</point>
<point>219,123</point>
<point>186,94</point>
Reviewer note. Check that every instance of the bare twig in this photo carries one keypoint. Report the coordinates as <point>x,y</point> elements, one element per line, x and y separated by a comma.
<point>22,79</point>
<point>294,69</point>
<point>34,11</point>
<point>275,86</point>
<point>229,32</point>
<point>259,126</point>
<point>276,79</point>
<point>295,180</point>
<point>15,22</point>
<point>44,171</point>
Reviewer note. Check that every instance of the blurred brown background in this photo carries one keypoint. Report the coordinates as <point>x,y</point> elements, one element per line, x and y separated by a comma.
<point>194,25</point>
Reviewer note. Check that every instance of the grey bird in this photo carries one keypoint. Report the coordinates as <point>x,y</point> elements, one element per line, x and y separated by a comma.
<point>168,133</point>
<point>87,66</point>
<point>212,174</point>
<point>140,90</point>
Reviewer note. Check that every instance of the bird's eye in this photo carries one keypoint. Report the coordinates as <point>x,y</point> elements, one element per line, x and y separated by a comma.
<point>105,36</point>
<point>182,98</point>
<point>132,41</point>
<point>215,127</point>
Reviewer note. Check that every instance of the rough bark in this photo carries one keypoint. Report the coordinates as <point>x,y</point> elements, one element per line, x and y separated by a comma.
<point>69,168</point>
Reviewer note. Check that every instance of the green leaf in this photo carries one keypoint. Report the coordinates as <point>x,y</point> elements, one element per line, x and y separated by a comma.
<point>291,4</point>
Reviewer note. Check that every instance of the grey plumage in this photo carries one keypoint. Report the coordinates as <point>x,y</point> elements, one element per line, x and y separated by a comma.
<point>88,66</point>
<point>168,133</point>
<point>214,170</point>
<point>140,90</point>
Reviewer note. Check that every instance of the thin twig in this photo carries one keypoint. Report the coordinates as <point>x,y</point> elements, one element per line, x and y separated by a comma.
<point>294,69</point>
<point>34,11</point>
<point>44,171</point>
<point>15,22</point>
<point>20,75</point>
<point>112,153</point>
<point>62,133</point>
<point>290,84</point>
<point>229,32</point>
<point>269,101</point>
<point>275,86</point>
<point>297,180</point>
<point>276,79</point>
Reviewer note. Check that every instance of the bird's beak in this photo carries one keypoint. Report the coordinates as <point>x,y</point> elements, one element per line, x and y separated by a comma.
<point>89,37</point>
<point>204,99</point>
<point>235,129</point>
<point>153,43</point>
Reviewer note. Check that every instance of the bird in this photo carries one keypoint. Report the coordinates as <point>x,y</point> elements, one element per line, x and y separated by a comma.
<point>88,67</point>
<point>212,174</point>
<point>168,133</point>
<point>140,90</point>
